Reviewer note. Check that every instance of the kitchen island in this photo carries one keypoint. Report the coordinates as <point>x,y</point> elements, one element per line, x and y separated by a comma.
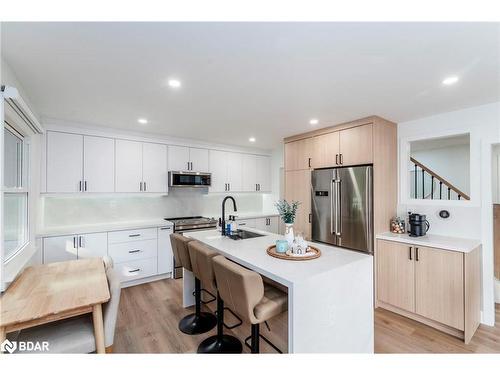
<point>330,299</point>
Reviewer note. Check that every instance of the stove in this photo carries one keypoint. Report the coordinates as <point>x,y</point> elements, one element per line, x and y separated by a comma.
<point>191,223</point>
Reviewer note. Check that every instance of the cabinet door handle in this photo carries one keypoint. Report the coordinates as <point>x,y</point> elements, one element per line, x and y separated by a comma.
<point>416,254</point>
<point>310,218</point>
<point>410,248</point>
<point>341,159</point>
<point>79,186</point>
<point>85,185</point>
<point>309,162</point>
<point>145,186</point>
<point>74,242</point>
<point>140,186</point>
<point>228,187</point>
<point>80,241</point>
<point>256,187</point>
<point>337,159</point>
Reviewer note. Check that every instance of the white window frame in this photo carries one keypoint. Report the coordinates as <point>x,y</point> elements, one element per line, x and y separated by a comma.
<point>23,189</point>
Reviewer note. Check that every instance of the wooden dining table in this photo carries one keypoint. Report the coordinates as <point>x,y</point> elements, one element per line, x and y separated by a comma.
<point>51,292</point>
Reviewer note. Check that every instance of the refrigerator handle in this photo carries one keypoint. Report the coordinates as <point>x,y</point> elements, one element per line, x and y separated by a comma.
<point>337,208</point>
<point>368,192</point>
<point>332,189</point>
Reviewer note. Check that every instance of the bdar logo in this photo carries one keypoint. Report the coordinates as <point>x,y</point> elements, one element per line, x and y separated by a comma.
<point>8,346</point>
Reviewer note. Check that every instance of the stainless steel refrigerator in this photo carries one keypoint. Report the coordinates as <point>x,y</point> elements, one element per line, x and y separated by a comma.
<point>342,207</point>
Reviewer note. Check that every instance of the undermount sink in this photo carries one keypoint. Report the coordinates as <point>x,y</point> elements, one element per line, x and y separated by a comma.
<point>243,235</point>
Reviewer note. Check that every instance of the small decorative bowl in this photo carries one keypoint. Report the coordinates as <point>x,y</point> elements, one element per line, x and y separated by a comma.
<point>281,246</point>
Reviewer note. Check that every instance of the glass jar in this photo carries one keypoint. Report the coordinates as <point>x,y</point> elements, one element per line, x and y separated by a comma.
<point>397,225</point>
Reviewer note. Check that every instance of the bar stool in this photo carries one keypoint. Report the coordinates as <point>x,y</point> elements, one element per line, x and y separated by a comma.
<point>244,291</point>
<point>199,322</point>
<point>201,262</point>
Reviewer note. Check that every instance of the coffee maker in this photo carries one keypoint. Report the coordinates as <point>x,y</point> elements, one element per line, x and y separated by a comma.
<point>418,225</point>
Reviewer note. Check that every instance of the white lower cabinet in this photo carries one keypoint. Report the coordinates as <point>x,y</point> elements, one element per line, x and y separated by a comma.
<point>92,245</point>
<point>269,224</point>
<point>249,223</point>
<point>137,254</point>
<point>59,249</point>
<point>136,269</point>
<point>165,254</point>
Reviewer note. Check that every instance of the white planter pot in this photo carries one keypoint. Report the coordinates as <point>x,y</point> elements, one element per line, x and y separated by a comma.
<point>289,234</point>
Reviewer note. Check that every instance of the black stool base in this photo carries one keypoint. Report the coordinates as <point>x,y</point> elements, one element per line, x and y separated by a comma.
<point>195,324</point>
<point>226,345</point>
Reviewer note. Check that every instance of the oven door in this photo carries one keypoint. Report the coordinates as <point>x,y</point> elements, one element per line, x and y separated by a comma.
<point>189,179</point>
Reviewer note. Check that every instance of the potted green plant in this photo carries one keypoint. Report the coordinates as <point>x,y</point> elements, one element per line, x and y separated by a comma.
<point>287,212</point>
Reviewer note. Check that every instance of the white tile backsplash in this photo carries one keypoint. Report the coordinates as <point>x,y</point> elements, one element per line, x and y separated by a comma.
<point>96,209</point>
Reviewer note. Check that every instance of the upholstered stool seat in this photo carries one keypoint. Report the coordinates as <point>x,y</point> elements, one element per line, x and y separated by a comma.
<point>244,291</point>
<point>201,262</point>
<point>199,322</point>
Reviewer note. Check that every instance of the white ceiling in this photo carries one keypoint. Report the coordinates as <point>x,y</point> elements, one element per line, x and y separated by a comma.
<point>250,79</point>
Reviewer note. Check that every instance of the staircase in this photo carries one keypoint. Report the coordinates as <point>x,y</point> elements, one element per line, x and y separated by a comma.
<point>429,185</point>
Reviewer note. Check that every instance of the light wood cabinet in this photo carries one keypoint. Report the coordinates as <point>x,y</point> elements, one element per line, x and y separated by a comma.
<point>298,188</point>
<point>326,150</point>
<point>396,275</point>
<point>298,154</point>
<point>437,287</point>
<point>355,145</point>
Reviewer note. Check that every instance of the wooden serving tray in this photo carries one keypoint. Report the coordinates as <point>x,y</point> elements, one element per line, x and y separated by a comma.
<point>271,250</point>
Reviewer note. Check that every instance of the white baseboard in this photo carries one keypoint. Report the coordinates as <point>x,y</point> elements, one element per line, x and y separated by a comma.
<point>147,280</point>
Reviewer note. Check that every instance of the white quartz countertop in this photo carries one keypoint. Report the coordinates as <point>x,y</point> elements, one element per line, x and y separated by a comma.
<point>102,227</point>
<point>251,253</point>
<point>463,245</point>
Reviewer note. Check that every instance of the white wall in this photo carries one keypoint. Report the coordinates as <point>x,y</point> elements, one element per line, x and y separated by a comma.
<point>496,174</point>
<point>473,219</point>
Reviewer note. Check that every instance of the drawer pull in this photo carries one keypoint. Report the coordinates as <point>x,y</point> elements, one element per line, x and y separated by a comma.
<point>134,235</point>
<point>134,251</point>
<point>240,224</point>
<point>165,228</point>
<point>136,270</point>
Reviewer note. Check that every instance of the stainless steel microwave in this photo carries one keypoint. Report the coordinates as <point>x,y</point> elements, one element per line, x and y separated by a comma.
<point>189,179</point>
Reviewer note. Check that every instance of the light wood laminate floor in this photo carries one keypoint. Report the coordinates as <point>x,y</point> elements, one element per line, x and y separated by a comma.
<point>149,315</point>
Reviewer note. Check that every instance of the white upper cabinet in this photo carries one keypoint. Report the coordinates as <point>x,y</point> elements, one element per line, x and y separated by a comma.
<point>98,164</point>
<point>225,168</point>
<point>154,168</point>
<point>198,158</point>
<point>263,177</point>
<point>249,175</point>
<point>178,158</point>
<point>234,171</point>
<point>64,162</point>
<point>182,158</point>
<point>128,177</point>
<point>218,169</point>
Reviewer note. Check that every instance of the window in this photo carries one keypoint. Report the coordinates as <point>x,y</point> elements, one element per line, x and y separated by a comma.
<point>15,199</point>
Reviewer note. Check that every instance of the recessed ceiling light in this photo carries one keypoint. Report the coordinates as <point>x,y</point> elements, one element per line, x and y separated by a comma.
<point>142,121</point>
<point>314,121</point>
<point>251,139</point>
<point>450,80</point>
<point>174,83</point>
